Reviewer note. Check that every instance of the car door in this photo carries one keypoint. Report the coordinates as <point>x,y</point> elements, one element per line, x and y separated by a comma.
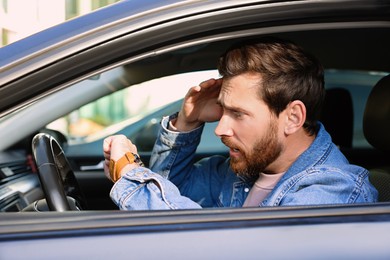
<point>145,40</point>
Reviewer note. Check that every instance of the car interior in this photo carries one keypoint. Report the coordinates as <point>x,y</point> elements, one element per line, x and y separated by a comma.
<point>336,49</point>
<point>376,128</point>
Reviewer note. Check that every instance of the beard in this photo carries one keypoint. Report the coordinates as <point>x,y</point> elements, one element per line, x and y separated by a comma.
<point>264,151</point>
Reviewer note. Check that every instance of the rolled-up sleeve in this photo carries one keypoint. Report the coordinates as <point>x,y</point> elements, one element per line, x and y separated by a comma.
<point>142,189</point>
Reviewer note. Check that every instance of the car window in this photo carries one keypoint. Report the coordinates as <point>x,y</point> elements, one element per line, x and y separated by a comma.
<point>136,111</point>
<point>359,85</point>
<point>126,106</point>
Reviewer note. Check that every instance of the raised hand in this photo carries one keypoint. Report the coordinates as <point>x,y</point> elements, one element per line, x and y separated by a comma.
<point>200,105</point>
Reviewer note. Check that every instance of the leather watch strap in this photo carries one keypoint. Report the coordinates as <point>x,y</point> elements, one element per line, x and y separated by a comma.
<point>116,167</point>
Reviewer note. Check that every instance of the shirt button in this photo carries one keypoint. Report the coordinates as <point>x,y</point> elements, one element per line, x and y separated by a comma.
<point>246,189</point>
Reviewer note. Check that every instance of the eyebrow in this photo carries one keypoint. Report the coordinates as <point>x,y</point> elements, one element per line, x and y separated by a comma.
<point>232,108</point>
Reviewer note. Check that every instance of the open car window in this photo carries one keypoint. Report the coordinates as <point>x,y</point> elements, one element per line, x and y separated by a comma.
<point>124,109</point>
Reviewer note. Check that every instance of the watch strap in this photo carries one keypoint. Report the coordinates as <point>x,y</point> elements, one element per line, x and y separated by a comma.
<point>116,167</point>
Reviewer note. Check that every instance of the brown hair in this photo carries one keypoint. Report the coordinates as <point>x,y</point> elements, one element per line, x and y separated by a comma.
<point>288,73</point>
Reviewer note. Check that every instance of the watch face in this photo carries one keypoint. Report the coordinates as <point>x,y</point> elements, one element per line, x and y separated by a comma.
<point>137,159</point>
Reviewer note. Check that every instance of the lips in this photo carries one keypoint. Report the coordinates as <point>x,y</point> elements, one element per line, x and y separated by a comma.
<point>234,151</point>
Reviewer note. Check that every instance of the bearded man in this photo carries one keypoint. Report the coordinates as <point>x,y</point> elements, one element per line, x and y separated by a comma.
<point>268,102</point>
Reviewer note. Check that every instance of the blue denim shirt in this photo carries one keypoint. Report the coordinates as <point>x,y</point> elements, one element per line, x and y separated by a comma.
<point>320,175</point>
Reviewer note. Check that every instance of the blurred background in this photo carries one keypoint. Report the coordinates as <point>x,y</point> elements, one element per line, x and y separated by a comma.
<point>21,18</point>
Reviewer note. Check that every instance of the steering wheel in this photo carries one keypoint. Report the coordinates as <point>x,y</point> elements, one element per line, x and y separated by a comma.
<point>55,174</point>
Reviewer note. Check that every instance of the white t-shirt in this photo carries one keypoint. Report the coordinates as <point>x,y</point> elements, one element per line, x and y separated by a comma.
<point>262,187</point>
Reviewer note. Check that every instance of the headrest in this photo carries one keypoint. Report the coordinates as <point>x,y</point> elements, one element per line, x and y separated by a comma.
<point>376,120</point>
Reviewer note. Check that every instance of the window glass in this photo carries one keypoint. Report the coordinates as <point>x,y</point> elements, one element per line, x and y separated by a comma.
<point>4,37</point>
<point>115,111</point>
<point>72,9</point>
<point>137,110</point>
<point>359,85</point>
<point>4,4</point>
<point>99,3</point>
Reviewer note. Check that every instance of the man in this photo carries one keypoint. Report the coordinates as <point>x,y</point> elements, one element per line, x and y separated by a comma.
<point>267,102</point>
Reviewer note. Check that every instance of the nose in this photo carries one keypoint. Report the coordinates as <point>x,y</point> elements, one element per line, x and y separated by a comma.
<point>223,128</point>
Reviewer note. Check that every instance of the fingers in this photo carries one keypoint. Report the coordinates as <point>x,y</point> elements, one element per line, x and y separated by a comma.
<point>114,147</point>
<point>199,105</point>
<point>107,155</point>
<point>193,91</point>
<point>210,84</point>
<point>106,169</point>
<point>107,145</point>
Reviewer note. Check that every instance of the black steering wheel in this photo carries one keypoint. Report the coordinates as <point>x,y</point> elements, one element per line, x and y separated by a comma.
<point>57,179</point>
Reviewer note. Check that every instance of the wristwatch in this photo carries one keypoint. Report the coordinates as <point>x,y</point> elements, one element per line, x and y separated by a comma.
<point>116,167</point>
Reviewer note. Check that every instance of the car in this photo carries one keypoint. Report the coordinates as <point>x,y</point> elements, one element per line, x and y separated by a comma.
<point>48,76</point>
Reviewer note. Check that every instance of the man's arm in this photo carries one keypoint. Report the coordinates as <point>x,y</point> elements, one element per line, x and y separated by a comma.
<point>136,187</point>
<point>141,189</point>
<point>199,106</point>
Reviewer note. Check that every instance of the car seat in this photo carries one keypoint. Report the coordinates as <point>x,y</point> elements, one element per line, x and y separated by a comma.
<point>376,128</point>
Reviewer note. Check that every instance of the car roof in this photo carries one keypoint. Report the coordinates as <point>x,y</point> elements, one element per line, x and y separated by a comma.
<point>100,22</point>
<point>76,49</point>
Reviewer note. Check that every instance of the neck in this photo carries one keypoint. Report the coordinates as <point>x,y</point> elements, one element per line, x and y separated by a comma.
<point>293,146</point>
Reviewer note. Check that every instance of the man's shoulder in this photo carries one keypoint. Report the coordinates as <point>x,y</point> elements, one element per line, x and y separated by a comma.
<point>340,171</point>
<point>325,184</point>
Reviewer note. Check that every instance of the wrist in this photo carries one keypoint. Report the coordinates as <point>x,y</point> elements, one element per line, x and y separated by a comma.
<point>127,168</point>
<point>126,163</point>
<point>178,124</point>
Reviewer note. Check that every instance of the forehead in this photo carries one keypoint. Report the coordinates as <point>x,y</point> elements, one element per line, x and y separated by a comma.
<point>241,90</point>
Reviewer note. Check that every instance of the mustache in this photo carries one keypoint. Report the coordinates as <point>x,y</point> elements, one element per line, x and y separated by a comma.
<point>229,143</point>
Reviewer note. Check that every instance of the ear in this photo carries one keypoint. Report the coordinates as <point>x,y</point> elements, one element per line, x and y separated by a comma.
<point>295,117</point>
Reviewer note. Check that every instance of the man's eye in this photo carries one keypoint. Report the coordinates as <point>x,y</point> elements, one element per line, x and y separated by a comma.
<point>237,114</point>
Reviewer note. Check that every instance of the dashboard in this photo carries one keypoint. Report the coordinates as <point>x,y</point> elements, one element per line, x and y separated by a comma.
<point>19,182</point>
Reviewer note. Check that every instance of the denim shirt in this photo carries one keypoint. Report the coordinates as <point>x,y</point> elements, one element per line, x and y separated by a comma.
<point>320,175</point>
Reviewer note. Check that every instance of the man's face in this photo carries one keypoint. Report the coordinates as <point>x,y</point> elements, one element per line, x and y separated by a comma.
<point>247,126</point>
